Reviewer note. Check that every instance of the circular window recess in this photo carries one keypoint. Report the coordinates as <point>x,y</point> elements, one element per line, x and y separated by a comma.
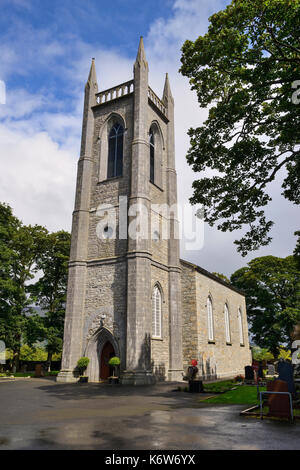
<point>156,236</point>
<point>108,232</point>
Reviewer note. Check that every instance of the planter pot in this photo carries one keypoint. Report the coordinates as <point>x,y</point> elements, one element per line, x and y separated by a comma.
<point>113,380</point>
<point>195,386</point>
<point>83,379</point>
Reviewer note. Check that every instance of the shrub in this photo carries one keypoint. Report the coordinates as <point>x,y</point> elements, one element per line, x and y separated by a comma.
<point>82,364</point>
<point>284,354</point>
<point>114,361</point>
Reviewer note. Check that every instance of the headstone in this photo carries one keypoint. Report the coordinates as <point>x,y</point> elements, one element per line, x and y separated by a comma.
<point>255,366</point>
<point>279,405</point>
<point>260,371</point>
<point>38,371</point>
<point>297,371</point>
<point>249,374</point>
<point>286,373</point>
<point>271,369</point>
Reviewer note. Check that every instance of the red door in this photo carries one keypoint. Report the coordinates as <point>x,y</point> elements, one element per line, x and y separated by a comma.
<point>107,352</point>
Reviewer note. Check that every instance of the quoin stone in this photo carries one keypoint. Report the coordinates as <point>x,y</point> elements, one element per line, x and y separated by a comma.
<point>133,297</point>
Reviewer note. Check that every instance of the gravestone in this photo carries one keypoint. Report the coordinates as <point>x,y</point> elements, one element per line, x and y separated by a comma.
<point>271,369</point>
<point>279,405</point>
<point>260,372</point>
<point>286,373</point>
<point>249,374</point>
<point>255,366</point>
<point>38,371</point>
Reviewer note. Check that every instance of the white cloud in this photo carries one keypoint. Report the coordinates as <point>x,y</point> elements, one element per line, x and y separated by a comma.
<point>20,103</point>
<point>39,178</point>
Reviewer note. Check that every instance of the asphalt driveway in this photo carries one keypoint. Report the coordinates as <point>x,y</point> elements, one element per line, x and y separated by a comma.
<point>41,414</point>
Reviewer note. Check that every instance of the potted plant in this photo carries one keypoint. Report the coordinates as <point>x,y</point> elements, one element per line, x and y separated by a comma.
<point>114,362</point>
<point>82,364</point>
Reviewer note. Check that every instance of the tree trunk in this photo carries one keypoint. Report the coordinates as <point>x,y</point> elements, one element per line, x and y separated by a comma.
<point>15,361</point>
<point>49,359</point>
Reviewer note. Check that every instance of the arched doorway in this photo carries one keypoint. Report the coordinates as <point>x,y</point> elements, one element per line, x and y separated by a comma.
<point>106,353</point>
<point>94,349</point>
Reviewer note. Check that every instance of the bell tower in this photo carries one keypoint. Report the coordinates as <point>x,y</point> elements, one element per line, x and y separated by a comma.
<point>124,289</point>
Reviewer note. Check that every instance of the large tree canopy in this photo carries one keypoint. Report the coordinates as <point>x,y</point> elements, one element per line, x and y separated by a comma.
<point>49,292</point>
<point>272,289</point>
<point>25,253</point>
<point>20,248</point>
<point>246,69</point>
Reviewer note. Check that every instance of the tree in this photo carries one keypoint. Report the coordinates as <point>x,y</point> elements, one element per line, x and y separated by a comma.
<point>22,246</point>
<point>49,292</point>
<point>8,228</point>
<point>272,287</point>
<point>222,276</point>
<point>261,354</point>
<point>29,353</point>
<point>297,250</point>
<point>246,69</point>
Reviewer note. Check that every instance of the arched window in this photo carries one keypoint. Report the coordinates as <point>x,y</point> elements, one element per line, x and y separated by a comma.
<point>152,155</point>
<point>241,326</point>
<point>115,151</point>
<point>227,325</point>
<point>156,313</point>
<point>210,320</point>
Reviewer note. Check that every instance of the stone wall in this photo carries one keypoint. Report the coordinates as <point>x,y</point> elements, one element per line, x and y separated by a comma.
<point>105,308</point>
<point>216,358</point>
<point>189,315</point>
<point>160,347</point>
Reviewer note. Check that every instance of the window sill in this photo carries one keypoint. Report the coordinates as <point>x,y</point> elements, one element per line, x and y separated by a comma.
<point>228,344</point>
<point>114,178</point>
<point>158,187</point>
<point>242,345</point>
<point>211,341</point>
<point>156,339</point>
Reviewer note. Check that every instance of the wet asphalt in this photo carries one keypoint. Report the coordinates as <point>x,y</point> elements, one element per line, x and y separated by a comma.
<point>41,414</point>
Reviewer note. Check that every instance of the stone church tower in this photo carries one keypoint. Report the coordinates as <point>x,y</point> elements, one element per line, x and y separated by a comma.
<point>124,292</point>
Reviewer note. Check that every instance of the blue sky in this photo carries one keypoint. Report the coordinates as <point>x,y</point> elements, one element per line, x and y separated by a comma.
<point>45,53</point>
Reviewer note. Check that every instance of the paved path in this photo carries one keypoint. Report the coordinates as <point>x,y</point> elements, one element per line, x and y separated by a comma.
<point>41,414</point>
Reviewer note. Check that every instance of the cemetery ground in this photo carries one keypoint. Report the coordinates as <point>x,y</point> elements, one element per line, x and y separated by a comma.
<point>43,414</point>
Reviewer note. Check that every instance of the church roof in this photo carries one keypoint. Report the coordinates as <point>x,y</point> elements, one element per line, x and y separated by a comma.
<point>212,276</point>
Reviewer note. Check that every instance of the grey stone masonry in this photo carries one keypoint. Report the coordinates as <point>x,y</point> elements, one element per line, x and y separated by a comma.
<point>216,357</point>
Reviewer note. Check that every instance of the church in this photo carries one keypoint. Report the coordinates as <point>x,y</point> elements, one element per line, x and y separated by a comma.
<point>129,293</point>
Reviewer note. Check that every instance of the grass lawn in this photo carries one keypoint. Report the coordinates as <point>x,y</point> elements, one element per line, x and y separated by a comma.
<point>219,387</point>
<point>242,395</point>
<point>28,374</point>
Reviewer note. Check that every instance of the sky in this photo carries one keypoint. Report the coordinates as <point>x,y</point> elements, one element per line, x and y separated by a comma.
<point>46,48</point>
